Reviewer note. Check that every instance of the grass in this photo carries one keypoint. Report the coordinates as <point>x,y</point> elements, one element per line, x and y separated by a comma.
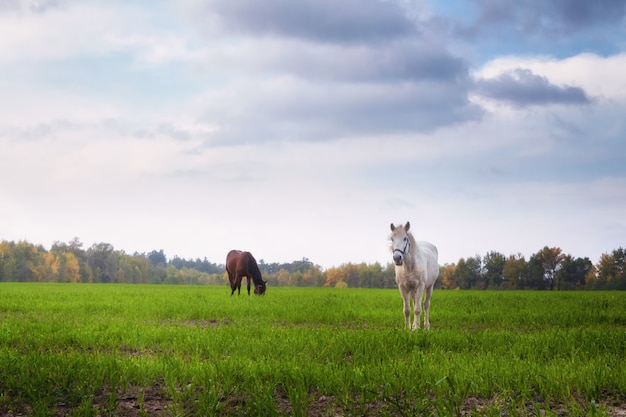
<point>87,350</point>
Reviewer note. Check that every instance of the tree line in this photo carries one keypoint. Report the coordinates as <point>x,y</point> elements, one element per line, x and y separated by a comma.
<point>548,269</point>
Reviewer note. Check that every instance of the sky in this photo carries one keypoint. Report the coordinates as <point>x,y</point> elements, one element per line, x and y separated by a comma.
<point>303,129</point>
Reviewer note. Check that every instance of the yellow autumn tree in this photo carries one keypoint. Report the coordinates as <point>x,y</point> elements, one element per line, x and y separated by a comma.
<point>71,268</point>
<point>48,269</point>
<point>333,275</point>
<point>447,276</point>
<point>282,277</point>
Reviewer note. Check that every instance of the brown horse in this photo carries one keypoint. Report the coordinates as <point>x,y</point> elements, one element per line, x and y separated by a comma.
<point>242,264</point>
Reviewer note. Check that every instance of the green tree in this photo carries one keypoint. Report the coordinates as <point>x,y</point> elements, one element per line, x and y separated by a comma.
<point>101,258</point>
<point>351,275</point>
<point>27,259</point>
<point>515,272</point>
<point>493,270</point>
<point>551,259</point>
<point>573,273</point>
<point>468,272</point>
<point>536,273</point>
<point>157,258</point>
<point>610,270</point>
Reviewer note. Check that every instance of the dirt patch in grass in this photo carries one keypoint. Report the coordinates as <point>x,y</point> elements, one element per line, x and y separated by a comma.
<point>157,401</point>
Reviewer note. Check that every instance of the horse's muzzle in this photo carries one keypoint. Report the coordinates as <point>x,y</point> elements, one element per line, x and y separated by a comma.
<point>397,258</point>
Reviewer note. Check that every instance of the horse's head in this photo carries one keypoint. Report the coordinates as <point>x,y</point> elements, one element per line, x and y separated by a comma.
<point>400,242</point>
<point>260,288</point>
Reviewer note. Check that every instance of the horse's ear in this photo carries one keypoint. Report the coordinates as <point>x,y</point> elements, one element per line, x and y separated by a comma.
<point>393,227</point>
<point>407,226</point>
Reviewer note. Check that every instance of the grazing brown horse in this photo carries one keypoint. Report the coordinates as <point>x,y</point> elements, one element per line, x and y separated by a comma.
<point>242,264</point>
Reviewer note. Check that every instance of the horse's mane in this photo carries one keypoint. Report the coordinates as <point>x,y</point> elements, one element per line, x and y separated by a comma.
<point>409,258</point>
<point>254,270</point>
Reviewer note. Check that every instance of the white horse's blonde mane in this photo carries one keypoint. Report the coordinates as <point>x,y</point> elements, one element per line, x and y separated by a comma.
<point>409,258</point>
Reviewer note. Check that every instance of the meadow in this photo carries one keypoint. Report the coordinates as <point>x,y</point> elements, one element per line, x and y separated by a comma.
<point>133,350</point>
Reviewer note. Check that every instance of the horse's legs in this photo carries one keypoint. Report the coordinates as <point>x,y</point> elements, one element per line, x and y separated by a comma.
<point>429,293</point>
<point>417,306</point>
<point>238,279</point>
<point>231,278</point>
<point>248,278</point>
<point>407,307</point>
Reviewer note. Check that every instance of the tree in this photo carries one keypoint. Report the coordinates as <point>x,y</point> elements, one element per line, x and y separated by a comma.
<point>333,275</point>
<point>573,273</point>
<point>49,269</point>
<point>468,272</point>
<point>27,258</point>
<point>389,276</point>
<point>282,277</point>
<point>351,275</point>
<point>7,262</point>
<point>101,258</point>
<point>157,258</point>
<point>447,275</point>
<point>314,277</point>
<point>72,255</point>
<point>536,274</point>
<point>493,269</point>
<point>610,270</point>
<point>515,272</point>
<point>551,259</point>
<point>70,268</point>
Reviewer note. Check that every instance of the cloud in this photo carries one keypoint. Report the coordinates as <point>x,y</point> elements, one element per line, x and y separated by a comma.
<point>311,71</point>
<point>315,20</point>
<point>58,31</point>
<point>287,108</point>
<point>520,87</point>
<point>561,28</point>
<point>599,76</point>
<point>397,60</point>
<point>537,17</point>
<point>302,44</point>
<point>318,70</point>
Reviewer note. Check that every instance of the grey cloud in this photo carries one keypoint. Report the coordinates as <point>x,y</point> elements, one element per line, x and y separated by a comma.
<point>321,20</point>
<point>574,14</point>
<point>332,111</point>
<point>328,70</point>
<point>403,60</point>
<point>523,88</point>
<point>543,18</point>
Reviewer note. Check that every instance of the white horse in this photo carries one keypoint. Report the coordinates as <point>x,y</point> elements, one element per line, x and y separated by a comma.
<point>417,270</point>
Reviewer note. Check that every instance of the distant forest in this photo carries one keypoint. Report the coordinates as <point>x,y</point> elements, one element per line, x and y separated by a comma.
<point>548,269</point>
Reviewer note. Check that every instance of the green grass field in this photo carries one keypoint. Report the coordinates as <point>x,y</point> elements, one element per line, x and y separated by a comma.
<point>97,350</point>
